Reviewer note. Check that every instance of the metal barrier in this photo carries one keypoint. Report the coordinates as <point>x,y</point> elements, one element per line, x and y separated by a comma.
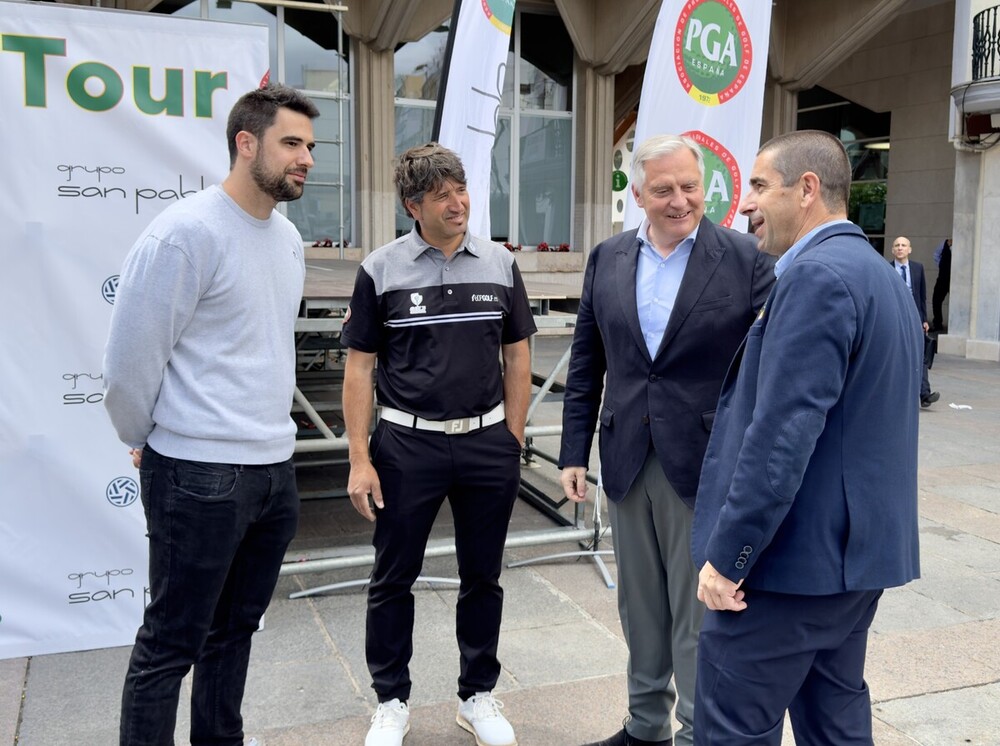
<point>574,529</point>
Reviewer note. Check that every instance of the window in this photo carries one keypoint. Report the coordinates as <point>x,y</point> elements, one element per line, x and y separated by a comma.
<point>304,54</point>
<point>865,135</point>
<point>313,64</point>
<point>533,151</point>
<point>417,68</point>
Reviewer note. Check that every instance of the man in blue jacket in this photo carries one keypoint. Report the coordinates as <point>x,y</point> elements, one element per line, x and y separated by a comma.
<point>807,505</point>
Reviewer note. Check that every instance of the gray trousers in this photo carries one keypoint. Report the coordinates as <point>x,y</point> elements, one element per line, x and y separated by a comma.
<point>658,605</point>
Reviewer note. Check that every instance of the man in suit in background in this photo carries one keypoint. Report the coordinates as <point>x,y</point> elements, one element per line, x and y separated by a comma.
<point>807,506</point>
<point>663,309</point>
<point>913,275</point>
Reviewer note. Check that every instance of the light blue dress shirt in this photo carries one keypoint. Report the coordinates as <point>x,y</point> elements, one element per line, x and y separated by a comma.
<point>909,278</point>
<point>657,281</point>
<point>789,256</point>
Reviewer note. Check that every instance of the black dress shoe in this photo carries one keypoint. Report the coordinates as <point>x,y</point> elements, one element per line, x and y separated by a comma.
<point>622,738</point>
<point>929,399</point>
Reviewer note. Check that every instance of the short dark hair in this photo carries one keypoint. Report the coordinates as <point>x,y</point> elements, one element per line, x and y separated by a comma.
<point>255,111</point>
<point>423,169</point>
<point>794,153</point>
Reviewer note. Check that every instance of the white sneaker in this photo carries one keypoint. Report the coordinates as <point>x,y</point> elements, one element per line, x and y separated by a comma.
<point>480,715</point>
<point>390,724</point>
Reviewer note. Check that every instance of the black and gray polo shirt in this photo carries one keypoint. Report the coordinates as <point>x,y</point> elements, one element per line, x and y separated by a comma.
<point>437,325</point>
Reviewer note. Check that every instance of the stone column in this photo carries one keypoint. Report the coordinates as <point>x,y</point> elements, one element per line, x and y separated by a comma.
<point>594,105</point>
<point>973,301</point>
<point>984,341</point>
<point>374,128</point>
<point>780,110</point>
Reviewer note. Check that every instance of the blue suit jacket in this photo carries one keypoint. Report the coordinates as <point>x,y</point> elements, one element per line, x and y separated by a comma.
<point>671,397</point>
<point>809,485</point>
<point>918,285</point>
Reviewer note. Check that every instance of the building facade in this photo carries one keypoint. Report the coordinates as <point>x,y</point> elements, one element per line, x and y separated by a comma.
<point>894,79</point>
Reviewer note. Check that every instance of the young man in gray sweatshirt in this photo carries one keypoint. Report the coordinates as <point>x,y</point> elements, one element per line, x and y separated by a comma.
<point>199,372</point>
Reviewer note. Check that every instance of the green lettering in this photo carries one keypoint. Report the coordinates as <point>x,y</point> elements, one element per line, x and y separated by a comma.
<point>173,95</point>
<point>107,99</point>
<point>205,85</point>
<point>34,49</point>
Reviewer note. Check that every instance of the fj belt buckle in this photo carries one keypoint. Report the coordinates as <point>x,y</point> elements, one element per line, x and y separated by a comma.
<point>457,427</point>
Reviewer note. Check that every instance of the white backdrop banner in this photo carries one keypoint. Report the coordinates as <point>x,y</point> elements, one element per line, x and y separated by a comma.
<point>108,117</point>
<point>472,96</point>
<point>705,78</point>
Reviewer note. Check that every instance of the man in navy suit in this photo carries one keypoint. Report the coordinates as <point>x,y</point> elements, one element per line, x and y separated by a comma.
<point>913,275</point>
<point>807,507</point>
<point>663,309</point>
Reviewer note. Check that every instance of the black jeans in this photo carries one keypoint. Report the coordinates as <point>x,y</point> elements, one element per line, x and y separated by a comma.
<point>217,537</point>
<point>479,473</point>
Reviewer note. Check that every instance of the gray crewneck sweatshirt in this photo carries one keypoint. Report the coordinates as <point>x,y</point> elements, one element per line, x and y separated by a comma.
<point>200,361</point>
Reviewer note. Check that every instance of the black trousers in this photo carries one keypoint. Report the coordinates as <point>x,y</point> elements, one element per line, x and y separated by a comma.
<point>925,381</point>
<point>479,474</point>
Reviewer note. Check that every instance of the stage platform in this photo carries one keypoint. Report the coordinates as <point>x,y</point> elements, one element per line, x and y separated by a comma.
<point>321,444</point>
<point>329,283</point>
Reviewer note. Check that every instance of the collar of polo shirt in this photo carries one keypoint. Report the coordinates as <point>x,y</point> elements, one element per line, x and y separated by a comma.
<point>417,245</point>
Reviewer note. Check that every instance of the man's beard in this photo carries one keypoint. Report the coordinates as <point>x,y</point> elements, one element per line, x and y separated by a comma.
<point>275,186</point>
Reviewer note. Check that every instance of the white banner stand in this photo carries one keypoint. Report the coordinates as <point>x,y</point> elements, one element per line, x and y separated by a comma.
<point>108,117</point>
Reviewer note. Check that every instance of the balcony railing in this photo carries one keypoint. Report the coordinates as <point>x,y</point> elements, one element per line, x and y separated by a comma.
<point>986,44</point>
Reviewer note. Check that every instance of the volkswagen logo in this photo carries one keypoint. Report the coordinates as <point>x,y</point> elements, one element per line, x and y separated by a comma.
<point>122,492</point>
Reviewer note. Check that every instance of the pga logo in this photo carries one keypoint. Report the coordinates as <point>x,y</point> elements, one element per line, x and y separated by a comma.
<point>712,50</point>
<point>122,492</point>
<point>722,179</point>
<point>500,13</point>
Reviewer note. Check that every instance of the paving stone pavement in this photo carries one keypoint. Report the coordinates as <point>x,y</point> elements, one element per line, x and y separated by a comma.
<point>933,661</point>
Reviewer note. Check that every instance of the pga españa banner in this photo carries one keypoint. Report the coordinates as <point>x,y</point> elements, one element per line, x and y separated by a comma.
<point>470,100</point>
<point>108,117</point>
<point>705,78</point>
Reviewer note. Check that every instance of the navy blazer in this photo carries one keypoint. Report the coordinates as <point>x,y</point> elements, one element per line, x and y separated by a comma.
<point>918,285</point>
<point>670,398</point>
<point>809,485</point>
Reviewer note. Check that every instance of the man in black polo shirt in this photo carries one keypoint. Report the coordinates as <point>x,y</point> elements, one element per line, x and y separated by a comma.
<point>438,309</point>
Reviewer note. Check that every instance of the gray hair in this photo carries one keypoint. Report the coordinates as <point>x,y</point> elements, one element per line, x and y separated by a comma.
<point>795,153</point>
<point>657,147</point>
<point>424,168</point>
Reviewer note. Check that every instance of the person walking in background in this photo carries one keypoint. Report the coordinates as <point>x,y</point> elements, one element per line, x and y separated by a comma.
<point>913,275</point>
<point>942,285</point>
<point>807,506</point>
<point>437,309</point>
<point>663,309</point>
<point>198,375</point>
